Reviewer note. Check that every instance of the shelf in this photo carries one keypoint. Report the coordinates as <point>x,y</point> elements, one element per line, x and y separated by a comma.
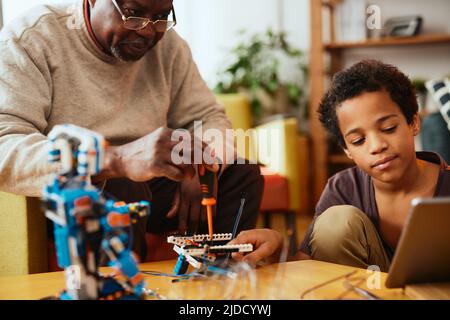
<point>340,159</point>
<point>390,41</point>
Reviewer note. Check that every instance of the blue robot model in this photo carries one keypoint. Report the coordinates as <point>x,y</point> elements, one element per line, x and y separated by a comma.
<point>86,224</point>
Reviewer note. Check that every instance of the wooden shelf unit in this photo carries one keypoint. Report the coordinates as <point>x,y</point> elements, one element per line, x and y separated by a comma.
<point>322,161</point>
<point>391,41</point>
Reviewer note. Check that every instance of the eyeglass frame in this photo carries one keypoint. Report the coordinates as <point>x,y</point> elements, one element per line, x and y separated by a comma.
<point>147,20</point>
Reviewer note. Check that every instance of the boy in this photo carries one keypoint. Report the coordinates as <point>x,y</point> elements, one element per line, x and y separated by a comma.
<point>371,109</point>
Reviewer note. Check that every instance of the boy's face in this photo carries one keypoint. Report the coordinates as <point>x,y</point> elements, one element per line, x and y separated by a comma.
<point>377,135</point>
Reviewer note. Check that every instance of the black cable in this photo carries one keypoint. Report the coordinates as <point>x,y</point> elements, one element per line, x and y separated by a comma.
<point>238,217</point>
<point>236,224</point>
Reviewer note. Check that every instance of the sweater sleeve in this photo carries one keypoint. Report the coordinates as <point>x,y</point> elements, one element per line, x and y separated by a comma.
<point>193,101</point>
<point>25,102</point>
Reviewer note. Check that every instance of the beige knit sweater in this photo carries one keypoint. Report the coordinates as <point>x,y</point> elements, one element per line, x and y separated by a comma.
<point>51,73</point>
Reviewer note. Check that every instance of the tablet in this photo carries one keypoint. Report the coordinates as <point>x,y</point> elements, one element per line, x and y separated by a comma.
<point>423,252</point>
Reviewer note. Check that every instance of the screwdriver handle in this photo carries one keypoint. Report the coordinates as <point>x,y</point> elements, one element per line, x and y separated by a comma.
<point>207,179</point>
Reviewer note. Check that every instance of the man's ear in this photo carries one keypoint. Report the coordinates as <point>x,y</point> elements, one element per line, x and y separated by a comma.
<point>348,153</point>
<point>416,124</point>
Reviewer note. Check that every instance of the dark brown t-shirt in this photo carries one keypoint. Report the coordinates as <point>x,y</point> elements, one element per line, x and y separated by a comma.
<point>355,187</point>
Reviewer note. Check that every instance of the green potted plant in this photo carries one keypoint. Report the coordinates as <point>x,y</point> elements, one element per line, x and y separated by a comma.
<point>269,71</point>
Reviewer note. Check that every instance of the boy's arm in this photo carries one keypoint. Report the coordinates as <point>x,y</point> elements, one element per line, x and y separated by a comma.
<point>268,244</point>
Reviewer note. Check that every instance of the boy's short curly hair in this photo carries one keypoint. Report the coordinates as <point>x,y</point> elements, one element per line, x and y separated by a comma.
<point>366,76</point>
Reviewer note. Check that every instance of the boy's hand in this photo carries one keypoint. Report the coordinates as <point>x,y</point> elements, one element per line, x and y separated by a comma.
<point>267,244</point>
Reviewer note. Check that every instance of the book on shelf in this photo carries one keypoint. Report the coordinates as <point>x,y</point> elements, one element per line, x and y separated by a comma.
<point>350,21</point>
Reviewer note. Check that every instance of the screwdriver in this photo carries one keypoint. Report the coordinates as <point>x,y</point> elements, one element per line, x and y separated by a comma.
<point>207,179</point>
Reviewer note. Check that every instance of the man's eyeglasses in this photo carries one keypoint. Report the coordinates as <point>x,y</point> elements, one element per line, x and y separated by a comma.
<point>139,23</point>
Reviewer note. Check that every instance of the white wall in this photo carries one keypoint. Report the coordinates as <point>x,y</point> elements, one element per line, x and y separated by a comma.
<point>211,27</point>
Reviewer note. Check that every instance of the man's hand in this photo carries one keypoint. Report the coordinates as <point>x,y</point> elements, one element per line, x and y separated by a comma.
<point>151,157</point>
<point>187,202</point>
<point>144,159</point>
<point>267,245</point>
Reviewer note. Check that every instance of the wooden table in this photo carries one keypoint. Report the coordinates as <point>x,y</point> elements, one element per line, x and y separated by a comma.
<point>284,281</point>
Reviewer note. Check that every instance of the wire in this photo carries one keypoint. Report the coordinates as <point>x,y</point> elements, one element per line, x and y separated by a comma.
<point>172,275</point>
<point>362,292</point>
<point>236,224</point>
<point>302,296</point>
<point>348,286</point>
<point>238,217</point>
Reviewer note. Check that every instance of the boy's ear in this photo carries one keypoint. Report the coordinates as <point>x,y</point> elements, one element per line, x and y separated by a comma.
<point>416,124</point>
<point>348,153</point>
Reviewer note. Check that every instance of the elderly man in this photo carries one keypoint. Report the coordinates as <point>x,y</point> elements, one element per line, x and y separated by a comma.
<point>119,68</point>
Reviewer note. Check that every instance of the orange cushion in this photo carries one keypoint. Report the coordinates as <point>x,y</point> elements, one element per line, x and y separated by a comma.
<point>276,192</point>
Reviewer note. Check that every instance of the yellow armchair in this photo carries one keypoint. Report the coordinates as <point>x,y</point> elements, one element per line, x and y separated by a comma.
<point>289,147</point>
<point>277,145</point>
<point>23,236</point>
<point>284,154</point>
